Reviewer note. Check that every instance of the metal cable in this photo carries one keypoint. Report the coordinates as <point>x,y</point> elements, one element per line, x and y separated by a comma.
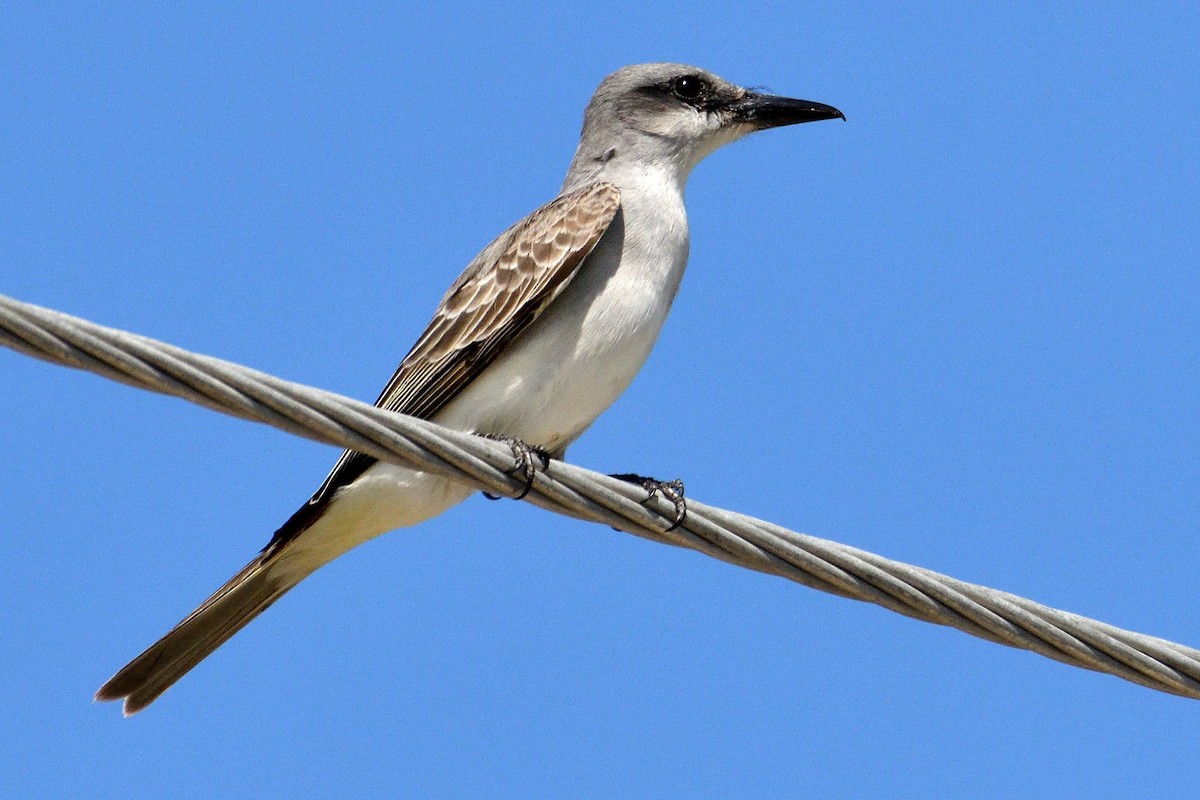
<point>567,489</point>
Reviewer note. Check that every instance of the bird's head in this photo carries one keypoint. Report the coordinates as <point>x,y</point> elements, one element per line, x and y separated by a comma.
<point>679,114</point>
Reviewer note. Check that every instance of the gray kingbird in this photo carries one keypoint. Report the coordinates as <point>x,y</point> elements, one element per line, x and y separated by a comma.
<point>538,336</point>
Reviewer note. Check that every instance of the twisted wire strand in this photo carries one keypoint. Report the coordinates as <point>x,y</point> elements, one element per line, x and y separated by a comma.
<point>484,464</point>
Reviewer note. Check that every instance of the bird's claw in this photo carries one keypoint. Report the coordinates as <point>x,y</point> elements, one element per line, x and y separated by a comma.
<point>671,490</point>
<point>524,455</point>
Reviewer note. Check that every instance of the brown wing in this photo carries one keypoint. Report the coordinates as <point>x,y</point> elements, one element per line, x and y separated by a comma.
<point>501,292</point>
<point>504,289</point>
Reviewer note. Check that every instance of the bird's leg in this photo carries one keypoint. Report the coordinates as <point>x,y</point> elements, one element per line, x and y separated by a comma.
<point>524,455</point>
<point>671,490</point>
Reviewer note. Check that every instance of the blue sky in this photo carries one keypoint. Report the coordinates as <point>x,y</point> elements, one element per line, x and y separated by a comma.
<point>959,330</point>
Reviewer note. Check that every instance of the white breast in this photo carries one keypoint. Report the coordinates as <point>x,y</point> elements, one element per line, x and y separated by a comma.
<point>585,350</point>
<point>550,385</point>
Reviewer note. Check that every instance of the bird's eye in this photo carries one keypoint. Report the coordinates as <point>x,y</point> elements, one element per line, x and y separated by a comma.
<point>688,87</point>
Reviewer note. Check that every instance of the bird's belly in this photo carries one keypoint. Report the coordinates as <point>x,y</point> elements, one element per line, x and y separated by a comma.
<point>545,388</point>
<point>563,372</point>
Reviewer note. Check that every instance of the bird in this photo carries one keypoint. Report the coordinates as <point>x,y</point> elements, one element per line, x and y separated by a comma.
<point>539,335</point>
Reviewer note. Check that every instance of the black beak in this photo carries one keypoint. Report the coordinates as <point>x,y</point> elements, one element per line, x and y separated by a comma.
<point>769,111</point>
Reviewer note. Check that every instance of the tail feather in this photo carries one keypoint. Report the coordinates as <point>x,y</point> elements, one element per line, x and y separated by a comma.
<point>320,531</point>
<point>245,596</point>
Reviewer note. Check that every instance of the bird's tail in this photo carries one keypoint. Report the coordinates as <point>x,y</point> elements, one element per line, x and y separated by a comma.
<point>319,531</point>
<point>245,596</point>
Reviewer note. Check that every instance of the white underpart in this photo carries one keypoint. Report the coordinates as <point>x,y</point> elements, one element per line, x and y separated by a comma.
<point>552,383</point>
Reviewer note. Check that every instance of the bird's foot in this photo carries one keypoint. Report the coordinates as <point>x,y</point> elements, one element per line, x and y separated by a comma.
<point>671,490</point>
<point>524,455</point>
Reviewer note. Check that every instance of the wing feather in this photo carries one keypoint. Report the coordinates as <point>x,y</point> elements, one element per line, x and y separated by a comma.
<point>501,292</point>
